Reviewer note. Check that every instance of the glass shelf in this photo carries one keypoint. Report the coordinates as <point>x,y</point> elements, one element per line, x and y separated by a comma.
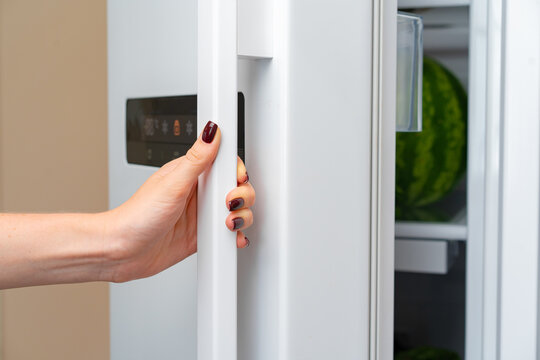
<point>431,230</point>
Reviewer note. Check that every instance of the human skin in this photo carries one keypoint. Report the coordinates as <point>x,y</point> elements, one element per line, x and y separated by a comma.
<point>153,230</point>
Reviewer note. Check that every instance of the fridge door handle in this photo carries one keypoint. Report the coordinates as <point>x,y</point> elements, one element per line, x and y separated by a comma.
<point>216,245</point>
<point>219,47</point>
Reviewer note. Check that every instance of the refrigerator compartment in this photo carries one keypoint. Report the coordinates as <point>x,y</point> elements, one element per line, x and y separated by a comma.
<point>430,297</point>
<point>446,38</point>
<point>409,73</point>
<point>447,28</point>
<point>428,256</point>
<point>430,308</point>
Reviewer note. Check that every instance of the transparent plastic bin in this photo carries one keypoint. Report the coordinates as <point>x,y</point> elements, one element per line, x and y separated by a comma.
<point>409,72</point>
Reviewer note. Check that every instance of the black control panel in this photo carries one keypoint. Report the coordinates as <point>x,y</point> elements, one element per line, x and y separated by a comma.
<point>159,130</point>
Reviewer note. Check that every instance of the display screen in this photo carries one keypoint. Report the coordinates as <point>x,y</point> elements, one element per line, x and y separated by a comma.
<point>159,130</point>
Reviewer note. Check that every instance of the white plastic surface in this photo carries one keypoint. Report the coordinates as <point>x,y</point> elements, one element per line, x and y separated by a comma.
<point>256,28</point>
<point>520,181</point>
<point>482,259</point>
<point>502,253</point>
<point>483,301</point>
<point>329,116</point>
<point>424,256</point>
<point>383,180</point>
<point>216,245</point>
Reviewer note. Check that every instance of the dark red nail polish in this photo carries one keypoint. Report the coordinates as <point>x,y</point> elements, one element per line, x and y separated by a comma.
<point>236,204</point>
<point>247,242</point>
<point>247,178</point>
<point>209,132</point>
<point>238,223</point>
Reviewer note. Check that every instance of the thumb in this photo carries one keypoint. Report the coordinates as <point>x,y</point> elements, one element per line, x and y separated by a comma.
<point>201,155</point>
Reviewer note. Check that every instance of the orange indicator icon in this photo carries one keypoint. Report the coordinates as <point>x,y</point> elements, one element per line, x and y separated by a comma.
<point>176,128</point>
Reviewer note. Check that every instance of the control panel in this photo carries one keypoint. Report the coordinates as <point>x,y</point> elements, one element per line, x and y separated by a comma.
<point>161,129</point>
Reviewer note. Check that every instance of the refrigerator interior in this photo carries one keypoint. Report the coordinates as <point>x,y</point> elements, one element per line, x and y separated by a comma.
<point>430,297</point>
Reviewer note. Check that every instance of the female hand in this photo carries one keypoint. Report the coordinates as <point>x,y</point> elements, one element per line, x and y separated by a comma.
<point>157,227</point>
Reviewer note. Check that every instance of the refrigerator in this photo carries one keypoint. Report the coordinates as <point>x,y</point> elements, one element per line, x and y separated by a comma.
<point>306,93</point>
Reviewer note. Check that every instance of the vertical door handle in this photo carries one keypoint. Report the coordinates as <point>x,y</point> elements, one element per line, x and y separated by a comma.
<point>216,245</point>
<point>218,49</point>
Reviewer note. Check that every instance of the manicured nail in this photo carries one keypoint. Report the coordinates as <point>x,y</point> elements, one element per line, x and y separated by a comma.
<point>236,204</point>
<point>247,178</point>
<point>238,223</point>
<point>247,242</point>
<point>209,132</point>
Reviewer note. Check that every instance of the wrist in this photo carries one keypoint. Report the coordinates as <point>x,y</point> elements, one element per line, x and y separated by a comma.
<point>117,254</point>
<point>94,250</point>
<point>111,246</point>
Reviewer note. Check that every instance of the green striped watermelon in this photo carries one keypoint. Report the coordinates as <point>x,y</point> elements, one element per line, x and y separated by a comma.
<point>431,162</point>
<point>427,353</point>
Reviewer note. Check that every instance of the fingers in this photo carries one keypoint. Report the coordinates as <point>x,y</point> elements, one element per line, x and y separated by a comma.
<point>241,240</point>
<point>242,176</point>
<point>239,220</point>
<point>238,201</point>
<point>241,197</point>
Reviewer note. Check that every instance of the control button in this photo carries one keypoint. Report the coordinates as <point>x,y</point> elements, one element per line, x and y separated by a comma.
<point>189,128</point>
<point>148,126</point>
<point>176,154</point>
<point>149,154</point>
<point>176,128</point>
<point>164,127</point>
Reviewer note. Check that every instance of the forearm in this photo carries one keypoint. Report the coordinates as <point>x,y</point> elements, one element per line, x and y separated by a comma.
<point>51,249</point>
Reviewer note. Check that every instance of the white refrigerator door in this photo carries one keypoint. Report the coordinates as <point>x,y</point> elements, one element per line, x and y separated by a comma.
<point>317,280</point>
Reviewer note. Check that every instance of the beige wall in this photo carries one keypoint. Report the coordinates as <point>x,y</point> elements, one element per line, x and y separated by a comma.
<point>53,157</point>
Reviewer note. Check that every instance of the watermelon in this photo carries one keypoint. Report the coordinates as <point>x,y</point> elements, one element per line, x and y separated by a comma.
<point>430,163</point>
<point>427,353</point>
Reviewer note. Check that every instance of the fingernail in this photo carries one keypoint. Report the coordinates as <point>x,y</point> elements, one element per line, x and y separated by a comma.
<point>209,132</point>
<point>247,178</point>
<point>247,242</point>
<point>238,223</point>
<point>236,204</point>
